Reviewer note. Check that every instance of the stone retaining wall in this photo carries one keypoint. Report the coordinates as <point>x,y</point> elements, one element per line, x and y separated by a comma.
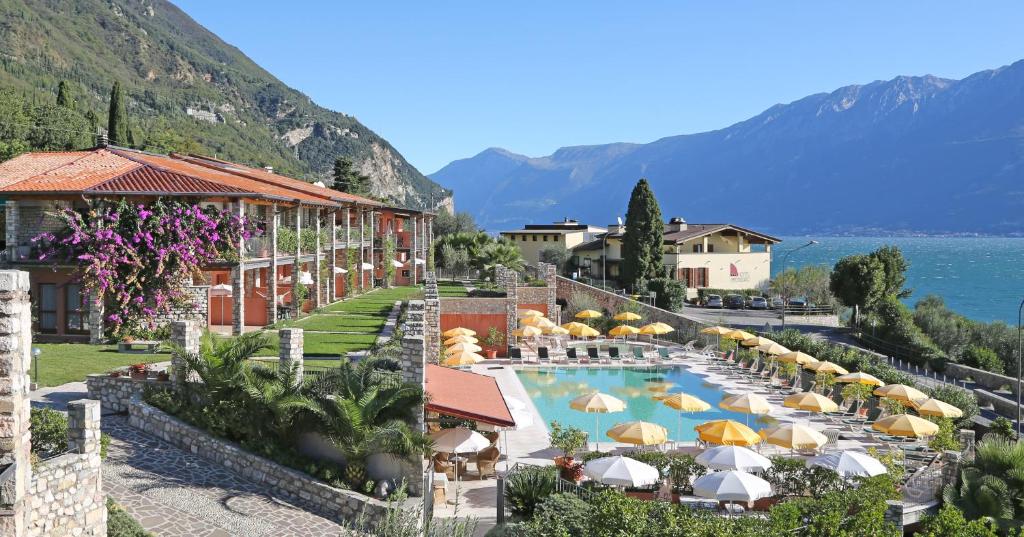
<point>490,306</point>
<point>115,393</point>
<point>532,295</point>
<point>986,379</point>
<point>339,505</point>
<point>66,492</point>
<point>686,327</point>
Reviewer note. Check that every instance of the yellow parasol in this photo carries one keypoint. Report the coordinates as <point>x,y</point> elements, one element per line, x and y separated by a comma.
<point>685,403</point>
<point>906,425</point>
<point>588,314</point>
<point>539,322</point>
<point>626,316</point>
<point>716,330</point>
<point>859,377</point>
<point>463,358</point>
<point>556,330</point>
<point>659,386</point>
<point>756,341</point>
<point>738,335</point>
<point>655,329</point>
<point>527,331</point>
<point>796,357</point>
<point>811,402</point>
<point>459,339</point>
<point>901,392</point>
<point>938,409</point>
<point>523,314</point>
<point>462,347</point>
<point>747,403</point>
<point>597,403</point>
<point>458,332</point>
<point>623,330</point>
<point>795,436</point>
<point>582,330</point>
<point>772,348</point>
<point>640,433</point>
<point>826,367</point>
<point>727,432</point>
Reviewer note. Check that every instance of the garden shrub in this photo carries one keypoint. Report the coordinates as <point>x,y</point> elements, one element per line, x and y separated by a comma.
<point>525,489</point>
<point>982,358</point>
<point>669,294</point>
<point>121,524</point>
<point>49,432</point>
<point>950,522</point>
<point>560,514</point>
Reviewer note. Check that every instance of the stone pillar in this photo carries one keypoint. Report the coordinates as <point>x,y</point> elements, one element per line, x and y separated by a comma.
<point>894,513</point>
<point>431,318</point>
<point>317,259</point>
<point>508,280</point>
<point>84,427</point>
<point>272,269</point>
<point>185,335</point>
<point>362,251</point>
<point>15,359</point>
<point>373,260</point>
<point>967,443</point>
<point>414,359</point>
<point>297,267</point>
<point>332,272</point>
<point>549,273</point>
<point>11,232</point>
<point>427,246</point>
<point>415,252</point>
<point>290,350</point>
<point>348,246</point>
<point>95,318</point>
<point>237,299</point>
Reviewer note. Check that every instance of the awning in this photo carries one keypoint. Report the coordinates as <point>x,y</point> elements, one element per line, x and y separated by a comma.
<point>466,395</point>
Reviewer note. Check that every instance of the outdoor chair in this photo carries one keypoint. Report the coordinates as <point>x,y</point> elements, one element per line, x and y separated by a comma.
<point>443,466</point>
<point>638,355</point>
<point>486,460</point>
<point>571,356</point>
<point>663,353</point>
<point>592,354</point>
<point>515,355</point>
<point>853,409</point>
<point>613,354</point>
<point>689,347</point>
<point>542,355</point>
<point>837,397</point>
<point>833,439</point>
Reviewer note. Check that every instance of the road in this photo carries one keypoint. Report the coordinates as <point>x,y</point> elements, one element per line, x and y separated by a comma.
<point>759,319</point>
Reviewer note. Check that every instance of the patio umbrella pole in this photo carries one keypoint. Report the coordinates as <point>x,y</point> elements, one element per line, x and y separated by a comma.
<point>597,431</point>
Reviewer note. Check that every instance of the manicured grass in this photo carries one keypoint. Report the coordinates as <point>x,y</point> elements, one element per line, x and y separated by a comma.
<point>452,289</point>
<point>336,344</point>
<point>330,322</point>
<point>60,363</point>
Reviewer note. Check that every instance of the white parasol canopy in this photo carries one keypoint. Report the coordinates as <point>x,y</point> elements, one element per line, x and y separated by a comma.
<point>397,264</point>
<point>305,278</point>
<point>366,266</point>
<point>732,486</point>
<point>339,270</point>
<point>850,463</point>
<point>459,440</point>
<point>733,458</point>
<point>221,289</point>
<point>621,471</point>
<point>419,261</point>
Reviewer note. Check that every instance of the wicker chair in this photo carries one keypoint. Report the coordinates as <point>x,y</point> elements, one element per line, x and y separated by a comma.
<point>486,460</point>
<point>443,466</point>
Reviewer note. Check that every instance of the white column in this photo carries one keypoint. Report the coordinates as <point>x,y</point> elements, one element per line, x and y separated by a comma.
<point>415,252</point>
<point>272,269</point>
<point>297,267</point>
<point>238,283</point>
<point>373,231</point>
<point>317,259</point>
<point>362,252</point>
<point>332,277</point>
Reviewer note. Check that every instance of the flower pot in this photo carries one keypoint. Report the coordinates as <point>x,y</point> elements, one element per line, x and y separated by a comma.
<point>138,375</point>
<point>115,374</point>
<point>163,376</point>
<point>492,354</point>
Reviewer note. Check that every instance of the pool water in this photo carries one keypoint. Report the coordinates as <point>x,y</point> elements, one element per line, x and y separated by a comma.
<point>551,389</point>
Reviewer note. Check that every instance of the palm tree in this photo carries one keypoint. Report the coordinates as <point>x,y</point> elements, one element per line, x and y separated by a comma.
<point>366,411</point>
<point>991,486</point>
<point>221,363</point>
<point>281,400</point>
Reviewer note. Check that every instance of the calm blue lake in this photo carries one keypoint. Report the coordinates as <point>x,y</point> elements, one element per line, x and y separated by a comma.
<point>981,278</point>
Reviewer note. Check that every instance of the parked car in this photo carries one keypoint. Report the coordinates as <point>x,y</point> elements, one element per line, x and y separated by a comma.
<point>734,302</point>
<point>714,301</point>
<point>758,303</point>
<point>777,303</point>
<point>798,303</point>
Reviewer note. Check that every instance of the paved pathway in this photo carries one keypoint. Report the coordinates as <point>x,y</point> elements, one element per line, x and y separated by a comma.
<point>176,494</point>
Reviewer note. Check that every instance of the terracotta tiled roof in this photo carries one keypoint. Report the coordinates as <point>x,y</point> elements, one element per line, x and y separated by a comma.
<point>466,395</point>
<point>145,178</point>
<point>86,169</point>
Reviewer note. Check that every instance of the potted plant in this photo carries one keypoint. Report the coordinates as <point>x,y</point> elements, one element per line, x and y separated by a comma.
<point>138,371</point>
<point>163,376</point>
<point>495,338</point>
<point>115,374</point>
<point>568,440</point>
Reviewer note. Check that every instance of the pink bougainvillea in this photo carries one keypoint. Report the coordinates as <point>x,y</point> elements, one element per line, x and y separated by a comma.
<point>136,257</point>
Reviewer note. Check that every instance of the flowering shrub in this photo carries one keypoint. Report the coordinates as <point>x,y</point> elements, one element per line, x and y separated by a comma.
<point>136,257</point>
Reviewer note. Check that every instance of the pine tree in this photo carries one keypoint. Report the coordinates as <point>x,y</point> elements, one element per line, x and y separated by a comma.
<point>117,119</point>
<point>64,96</point>
<point>643,240</point>
<point>347,179</point>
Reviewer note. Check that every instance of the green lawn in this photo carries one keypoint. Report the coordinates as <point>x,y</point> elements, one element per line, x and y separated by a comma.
<point>60,363</point>
<point>452,289</point>
<point>335,344</point>
<point>331,322</point>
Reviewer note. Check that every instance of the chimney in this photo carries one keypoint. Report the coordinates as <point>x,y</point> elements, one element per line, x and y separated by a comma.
<point>101,139</point>
<point>676,224</point>
<point>268,169</point>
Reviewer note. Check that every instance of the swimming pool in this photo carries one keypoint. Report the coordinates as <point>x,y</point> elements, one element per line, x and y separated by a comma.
<point>551,389</point>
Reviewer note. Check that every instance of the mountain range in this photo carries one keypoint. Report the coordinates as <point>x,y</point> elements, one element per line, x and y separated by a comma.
<point>911,155</point>
<point>188,90</point>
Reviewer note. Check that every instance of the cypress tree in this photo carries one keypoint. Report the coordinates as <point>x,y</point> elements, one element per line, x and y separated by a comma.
<point>644,237</point>
<point>117,119</point>
<point>64,97</point>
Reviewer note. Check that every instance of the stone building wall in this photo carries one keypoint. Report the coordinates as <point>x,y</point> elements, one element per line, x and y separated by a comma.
<point>292,485</point>
<point>115,393</point>
<point>532,295</point>
<point>195,308</point>
<point>15,343</point>
<point>32,218</point>
<point>431,318</point>
<point>66,493</point>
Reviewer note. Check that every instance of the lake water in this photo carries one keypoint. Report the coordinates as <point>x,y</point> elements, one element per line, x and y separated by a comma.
<point>551,389</point>
<point>981,278</point>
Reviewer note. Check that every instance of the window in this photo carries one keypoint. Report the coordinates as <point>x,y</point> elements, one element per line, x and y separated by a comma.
<point>405,273</point>
<point>75,309</point>
<point>523,238</point>
<point>693,277</point>
<point>545,238</point>
<point>534,238</point>
<point>698,248</point>
<point>47,308</point>
<point>711,248</point>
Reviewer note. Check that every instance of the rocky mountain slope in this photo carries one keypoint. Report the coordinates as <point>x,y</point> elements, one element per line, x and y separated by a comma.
<point>912,154</point>
<point>189,90</point>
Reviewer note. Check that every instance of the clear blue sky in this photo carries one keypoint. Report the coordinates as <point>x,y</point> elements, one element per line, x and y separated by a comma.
<point>445,80</point>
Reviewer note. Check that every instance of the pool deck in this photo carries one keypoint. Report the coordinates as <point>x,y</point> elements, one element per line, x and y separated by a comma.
<point>478,499</point>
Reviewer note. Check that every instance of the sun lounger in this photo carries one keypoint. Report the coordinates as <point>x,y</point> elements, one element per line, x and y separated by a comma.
<point>543,356</point>
<point>515,356</point>
<point>571,356</point>
<point>593,355</point>
<point>613,355</point>
<point>638,355</point>
<point>663,353</point>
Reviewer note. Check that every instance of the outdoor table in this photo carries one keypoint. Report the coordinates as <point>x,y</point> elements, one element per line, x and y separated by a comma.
<point>138,346</point>
<point>460,461</point>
